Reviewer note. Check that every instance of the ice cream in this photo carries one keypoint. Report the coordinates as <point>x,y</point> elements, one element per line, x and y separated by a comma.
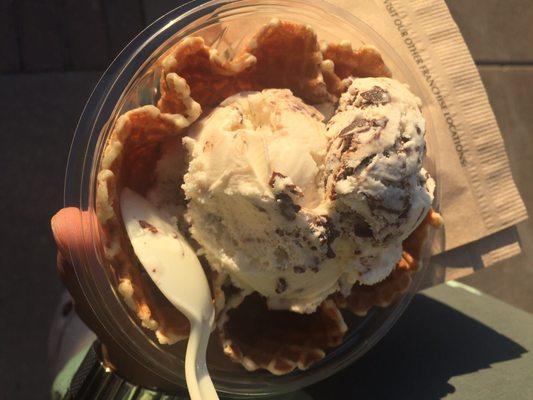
<point>252,184</point>
<point>284,216</point>
<point>374,174</point>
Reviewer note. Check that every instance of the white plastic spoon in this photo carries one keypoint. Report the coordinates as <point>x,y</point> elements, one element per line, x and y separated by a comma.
<point>174,267</point>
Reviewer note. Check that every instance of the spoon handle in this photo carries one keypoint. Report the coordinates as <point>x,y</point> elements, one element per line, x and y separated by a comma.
<point>198,380</point>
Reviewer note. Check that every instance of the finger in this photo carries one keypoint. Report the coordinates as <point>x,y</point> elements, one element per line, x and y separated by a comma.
<point>83,309</point>
<point>73,231</point>
<point>62,266</point>
<point>70,228</point>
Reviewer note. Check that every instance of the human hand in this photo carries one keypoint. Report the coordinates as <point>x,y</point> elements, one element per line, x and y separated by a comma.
<point>67,227</point>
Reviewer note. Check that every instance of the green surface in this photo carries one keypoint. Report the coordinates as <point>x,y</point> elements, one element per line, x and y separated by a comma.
<point>500,380</point>
<point>452,342</point>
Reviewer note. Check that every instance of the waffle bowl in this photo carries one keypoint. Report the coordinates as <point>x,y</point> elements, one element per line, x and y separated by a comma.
<point>136,144</point>
<point>278,341</point>
<point>164,92</point>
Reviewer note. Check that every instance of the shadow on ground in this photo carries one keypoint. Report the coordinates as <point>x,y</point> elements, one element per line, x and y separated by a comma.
<point>430,344</point>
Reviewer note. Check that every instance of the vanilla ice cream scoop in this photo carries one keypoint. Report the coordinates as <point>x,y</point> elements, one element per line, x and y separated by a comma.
<point>252,183</point>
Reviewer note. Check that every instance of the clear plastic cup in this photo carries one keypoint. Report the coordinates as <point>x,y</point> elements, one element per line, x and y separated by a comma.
<point>130,82</point>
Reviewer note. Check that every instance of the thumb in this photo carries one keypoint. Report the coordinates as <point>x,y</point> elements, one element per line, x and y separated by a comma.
<point>72,230</point>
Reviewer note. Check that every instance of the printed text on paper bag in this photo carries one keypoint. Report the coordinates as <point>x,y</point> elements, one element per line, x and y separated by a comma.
<point>398,21</point>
